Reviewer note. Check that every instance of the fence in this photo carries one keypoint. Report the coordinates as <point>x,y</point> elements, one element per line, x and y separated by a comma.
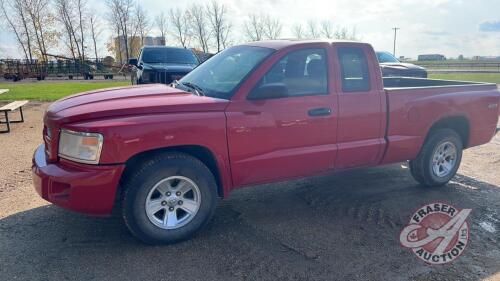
<point>21,69</point>
<point>460,66</point>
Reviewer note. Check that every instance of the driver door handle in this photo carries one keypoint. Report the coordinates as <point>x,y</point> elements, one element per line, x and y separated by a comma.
<point>322,111</point>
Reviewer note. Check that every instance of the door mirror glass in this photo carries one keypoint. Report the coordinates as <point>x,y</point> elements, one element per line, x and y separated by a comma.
<point>132,62</point>
<point>269,91</point>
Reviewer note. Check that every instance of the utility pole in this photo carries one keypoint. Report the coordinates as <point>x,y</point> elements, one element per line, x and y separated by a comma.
<point>394,48</point>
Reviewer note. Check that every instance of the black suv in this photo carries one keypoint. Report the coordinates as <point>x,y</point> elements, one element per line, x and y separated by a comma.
<point>161,64</point>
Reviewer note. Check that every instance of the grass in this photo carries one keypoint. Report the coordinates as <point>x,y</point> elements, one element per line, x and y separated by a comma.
<point>477,77</point>
<point>51,91</point>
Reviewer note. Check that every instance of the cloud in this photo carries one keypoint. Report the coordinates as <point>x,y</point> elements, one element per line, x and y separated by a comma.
<point>436,32</point>
<point>491,26</point>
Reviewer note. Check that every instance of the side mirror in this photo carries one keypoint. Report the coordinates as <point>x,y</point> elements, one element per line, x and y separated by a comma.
<point>132,62</point>
<point>269,91</point>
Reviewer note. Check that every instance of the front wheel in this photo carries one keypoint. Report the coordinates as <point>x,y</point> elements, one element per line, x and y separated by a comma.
<point>439,159</point>
<point>169,198</point>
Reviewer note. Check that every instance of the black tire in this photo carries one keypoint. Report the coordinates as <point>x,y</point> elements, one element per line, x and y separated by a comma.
<point>421,167</point>
<point>141,181</point>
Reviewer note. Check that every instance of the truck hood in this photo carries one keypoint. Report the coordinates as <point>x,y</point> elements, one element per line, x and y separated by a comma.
<point>128,101</point>
<point>169,67</point>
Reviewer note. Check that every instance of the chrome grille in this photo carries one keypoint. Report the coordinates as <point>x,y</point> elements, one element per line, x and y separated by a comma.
<point>47,139</point>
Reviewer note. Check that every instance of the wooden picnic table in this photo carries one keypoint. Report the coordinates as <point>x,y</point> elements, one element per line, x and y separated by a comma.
<point>6,109</point>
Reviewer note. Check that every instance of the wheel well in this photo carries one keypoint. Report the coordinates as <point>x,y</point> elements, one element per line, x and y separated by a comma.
<point>201,153</point>
<point>459,124</point>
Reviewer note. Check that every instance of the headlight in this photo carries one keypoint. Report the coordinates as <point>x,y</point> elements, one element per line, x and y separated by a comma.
<point>80,147</point>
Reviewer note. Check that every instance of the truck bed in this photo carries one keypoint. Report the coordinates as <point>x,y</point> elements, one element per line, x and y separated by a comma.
<point>415,104</point>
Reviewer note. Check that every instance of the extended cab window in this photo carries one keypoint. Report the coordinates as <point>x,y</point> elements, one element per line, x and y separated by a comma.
<point>303,72</point>
<point>354,70</point>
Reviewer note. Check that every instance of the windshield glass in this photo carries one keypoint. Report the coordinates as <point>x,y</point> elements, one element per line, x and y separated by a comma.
<point>223,73</point>
<point>386,57</point>
<point>168,55</point>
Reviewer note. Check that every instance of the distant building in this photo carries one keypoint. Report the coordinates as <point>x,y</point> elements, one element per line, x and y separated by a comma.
<point>432,57</point>
<point>153,41</point>
<point>134,44</point>
<point>486,58</point>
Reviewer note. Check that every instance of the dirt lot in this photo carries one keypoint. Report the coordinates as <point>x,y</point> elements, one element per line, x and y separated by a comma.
<point>337,227</point>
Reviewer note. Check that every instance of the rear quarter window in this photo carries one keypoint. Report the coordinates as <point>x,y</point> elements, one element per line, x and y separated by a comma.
<point>354,70</point>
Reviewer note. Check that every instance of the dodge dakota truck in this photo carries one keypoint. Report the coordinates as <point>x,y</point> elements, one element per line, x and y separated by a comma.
<point>254,113</point>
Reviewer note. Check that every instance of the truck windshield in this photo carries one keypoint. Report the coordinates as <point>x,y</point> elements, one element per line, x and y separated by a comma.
<point>386,57</point>
<point>220,76</point>
<point>168,55</point>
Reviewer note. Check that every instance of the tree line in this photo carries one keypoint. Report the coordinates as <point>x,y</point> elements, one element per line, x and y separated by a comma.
<point>74,28</point>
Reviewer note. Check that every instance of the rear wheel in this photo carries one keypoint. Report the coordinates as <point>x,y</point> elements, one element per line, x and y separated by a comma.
<point>439,159</point>
<point>169,198</point>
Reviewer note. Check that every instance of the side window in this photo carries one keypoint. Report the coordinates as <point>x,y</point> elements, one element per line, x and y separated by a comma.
<point>354,70</point>
<point>303,72</point>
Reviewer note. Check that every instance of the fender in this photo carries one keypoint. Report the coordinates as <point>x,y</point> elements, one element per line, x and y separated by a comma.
<point>127,136</point>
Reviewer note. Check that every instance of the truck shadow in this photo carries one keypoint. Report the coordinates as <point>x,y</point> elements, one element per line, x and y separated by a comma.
<point>302,229</point>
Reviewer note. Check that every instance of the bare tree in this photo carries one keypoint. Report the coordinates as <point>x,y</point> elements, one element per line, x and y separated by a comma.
<point>81,6</point>
<point>20,14</point>
<point>142,23</point>
<point>41,21</point>
<point>199,25</point>
<point>220,25</point>
<point>161,22</point>
<point>15,28</point>
<point>121,17</point>
<point>95,31</point>
<point>312,29</point>
<point>343,33</point>
<point>180,22</point>
<point>272,27</point>
<point>327,29</point>
<point>298,31</point>
<point>67,17</point>
<point>254,28</point>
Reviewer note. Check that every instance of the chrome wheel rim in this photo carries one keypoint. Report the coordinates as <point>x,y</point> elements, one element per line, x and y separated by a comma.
<point>173,202</point>
<point>444,159</point>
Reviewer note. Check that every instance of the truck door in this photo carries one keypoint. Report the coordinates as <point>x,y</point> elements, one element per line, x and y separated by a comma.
<point>288,136</point>
<point>361,117</point>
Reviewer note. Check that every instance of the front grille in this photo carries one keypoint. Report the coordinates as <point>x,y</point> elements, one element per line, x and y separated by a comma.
<point>47,140</point>
<point>165,77</point>
<point>50,140</point>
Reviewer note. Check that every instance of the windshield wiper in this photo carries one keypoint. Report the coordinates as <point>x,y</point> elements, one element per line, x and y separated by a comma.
<point>197,89</point>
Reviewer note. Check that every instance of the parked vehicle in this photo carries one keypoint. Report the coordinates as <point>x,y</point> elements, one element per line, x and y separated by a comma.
<point>161,64</point>
<point>255,113</point>
<point>17,70</point>
<point>392,67</point>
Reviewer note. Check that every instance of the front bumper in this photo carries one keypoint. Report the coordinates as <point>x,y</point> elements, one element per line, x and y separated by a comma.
<point>89,189</point>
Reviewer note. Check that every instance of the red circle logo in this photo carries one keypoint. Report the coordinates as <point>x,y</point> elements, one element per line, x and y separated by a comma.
<point>438,233</point>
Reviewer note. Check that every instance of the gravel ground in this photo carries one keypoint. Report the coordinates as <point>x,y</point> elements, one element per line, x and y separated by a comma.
<point>343,226</point>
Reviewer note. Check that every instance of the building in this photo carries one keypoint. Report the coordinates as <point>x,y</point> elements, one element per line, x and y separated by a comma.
<point>134,45</point>
<point>486,58</point>
<point>431,57</point>
<point>153,41</point>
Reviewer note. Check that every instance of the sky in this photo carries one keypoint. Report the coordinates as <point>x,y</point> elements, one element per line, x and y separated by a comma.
<point>449,27</point>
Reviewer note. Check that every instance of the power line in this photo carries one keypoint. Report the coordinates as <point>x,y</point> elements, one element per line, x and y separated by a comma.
<point>394,48</point>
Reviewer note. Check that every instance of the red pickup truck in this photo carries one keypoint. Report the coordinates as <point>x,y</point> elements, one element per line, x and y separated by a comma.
<point>255,113</point>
